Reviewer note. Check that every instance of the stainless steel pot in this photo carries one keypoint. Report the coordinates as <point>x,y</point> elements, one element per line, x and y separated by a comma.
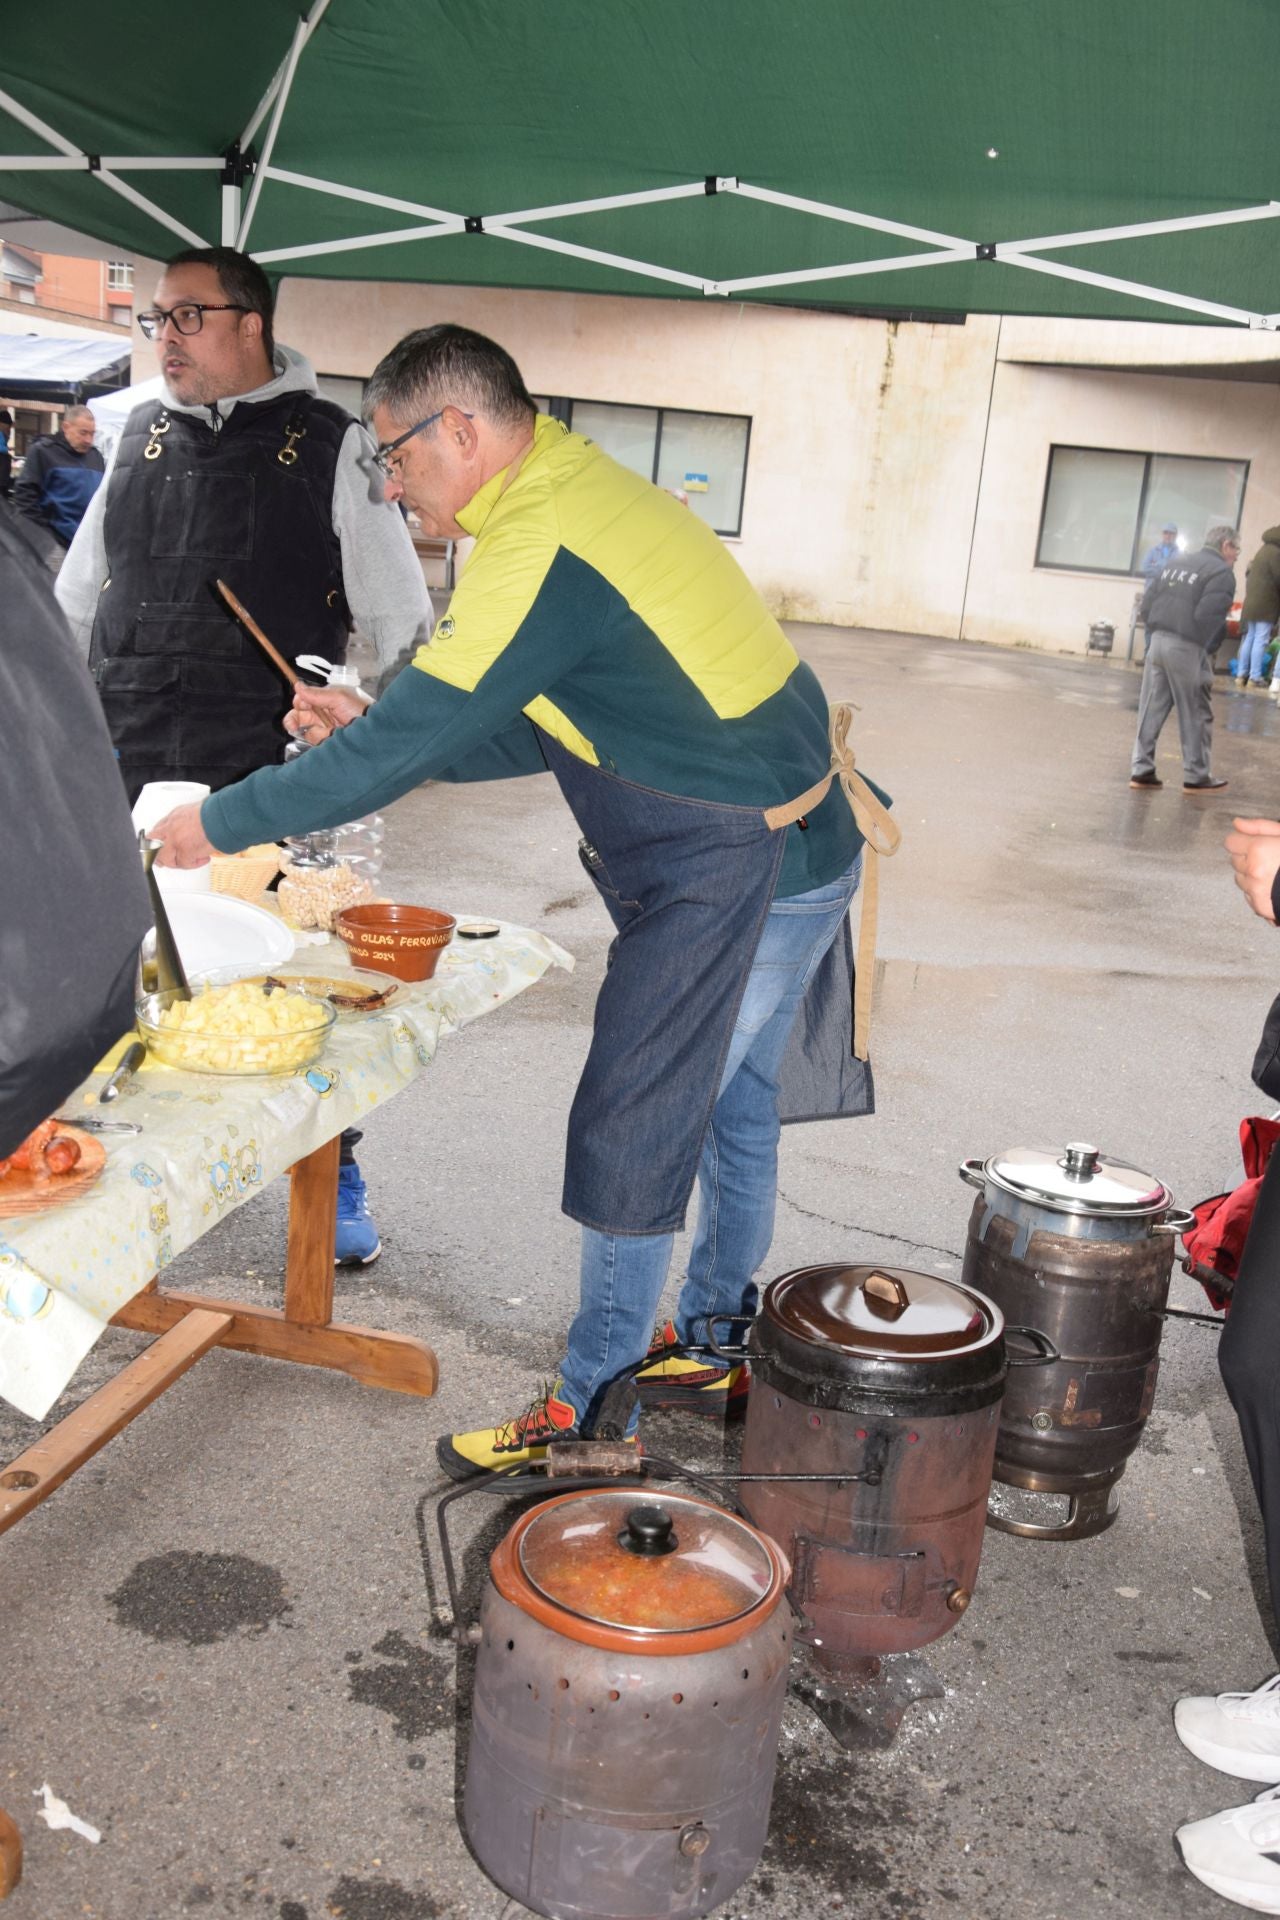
<point>630,1678</point>
<point>1079,1249</point>
<point>893,1380</point>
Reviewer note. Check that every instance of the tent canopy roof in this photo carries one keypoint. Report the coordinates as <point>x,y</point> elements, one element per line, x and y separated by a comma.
<point>39,367</point>
<point>950,155</point>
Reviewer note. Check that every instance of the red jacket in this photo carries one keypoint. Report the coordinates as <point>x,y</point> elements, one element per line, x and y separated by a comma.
<point>1216,1242</point>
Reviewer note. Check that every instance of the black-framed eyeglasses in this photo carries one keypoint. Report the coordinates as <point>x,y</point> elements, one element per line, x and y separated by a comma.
<point>188,317</point>
<point>382,454</point>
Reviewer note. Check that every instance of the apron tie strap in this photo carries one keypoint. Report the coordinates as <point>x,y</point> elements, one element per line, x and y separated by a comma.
<point>882,836</point>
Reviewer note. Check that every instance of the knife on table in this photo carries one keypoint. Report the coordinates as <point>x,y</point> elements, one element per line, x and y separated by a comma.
<point>132,1059</point>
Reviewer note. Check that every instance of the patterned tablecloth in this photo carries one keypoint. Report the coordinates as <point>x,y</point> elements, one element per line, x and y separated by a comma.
<point>210,1143</point>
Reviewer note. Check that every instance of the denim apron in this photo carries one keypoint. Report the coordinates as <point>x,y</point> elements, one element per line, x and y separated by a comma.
<point>688,885</point>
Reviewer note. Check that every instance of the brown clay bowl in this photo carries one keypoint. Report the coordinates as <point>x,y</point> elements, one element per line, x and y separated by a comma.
<point>404,941</point>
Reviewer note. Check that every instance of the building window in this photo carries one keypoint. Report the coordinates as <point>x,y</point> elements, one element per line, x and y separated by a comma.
<point>119,274</point>
<point>702,455</point>
<point>120,316</point>
<point>1104,510</point>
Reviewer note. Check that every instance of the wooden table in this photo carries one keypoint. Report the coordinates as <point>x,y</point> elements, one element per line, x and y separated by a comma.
<point>189,1325</point>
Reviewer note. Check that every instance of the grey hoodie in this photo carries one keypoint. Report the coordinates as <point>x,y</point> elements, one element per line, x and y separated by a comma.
<point>383,580</point>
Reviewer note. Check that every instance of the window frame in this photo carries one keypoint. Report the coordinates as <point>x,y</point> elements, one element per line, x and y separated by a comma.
<point>119,267</point>
<point>1134,571</point>
<point>561,407</point>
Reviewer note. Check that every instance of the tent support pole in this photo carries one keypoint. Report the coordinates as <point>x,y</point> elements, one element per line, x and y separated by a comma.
<point>301,34</point>
<point>230,200</point>
<point>36,125</point>
<point>277,114</point>
<point>324,247</point>
<point>641,267</point>
<point>103,173</point>
<point>263,107</point>
<point>1184,301</point>
<point>141,201</point>
<point>361,194</point>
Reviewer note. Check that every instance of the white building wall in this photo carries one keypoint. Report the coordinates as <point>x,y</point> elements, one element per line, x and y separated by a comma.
<point>896,470</point>
<point>1013,602</point>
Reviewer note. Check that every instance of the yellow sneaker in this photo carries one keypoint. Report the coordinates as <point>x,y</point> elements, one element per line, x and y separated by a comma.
<point>671,1377</point>
<point>513,1443</point>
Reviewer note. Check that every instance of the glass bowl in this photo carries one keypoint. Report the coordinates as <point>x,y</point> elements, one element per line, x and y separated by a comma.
<point>355,992</point>
<point>238,1050</point>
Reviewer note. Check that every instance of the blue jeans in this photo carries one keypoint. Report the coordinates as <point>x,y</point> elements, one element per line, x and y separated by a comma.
<point>622,1275</point>
<point>1253,650</point>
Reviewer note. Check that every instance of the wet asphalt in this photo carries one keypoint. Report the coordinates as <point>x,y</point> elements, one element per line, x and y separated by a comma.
<point>222,1643</point>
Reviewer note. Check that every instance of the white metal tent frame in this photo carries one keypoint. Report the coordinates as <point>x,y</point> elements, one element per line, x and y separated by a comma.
<point>237,214</point>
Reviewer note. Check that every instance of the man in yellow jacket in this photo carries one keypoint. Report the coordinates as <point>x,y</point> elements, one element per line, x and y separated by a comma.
<point>601,631</point>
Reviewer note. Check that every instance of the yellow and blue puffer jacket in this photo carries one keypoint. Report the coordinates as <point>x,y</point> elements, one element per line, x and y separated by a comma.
<point>601,610</point>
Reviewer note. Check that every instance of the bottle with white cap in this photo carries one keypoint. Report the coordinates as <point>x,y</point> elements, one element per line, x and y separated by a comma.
<point>358,844</point>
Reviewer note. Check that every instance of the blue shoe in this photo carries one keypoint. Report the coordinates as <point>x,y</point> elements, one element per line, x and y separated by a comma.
<point>356,1242</point>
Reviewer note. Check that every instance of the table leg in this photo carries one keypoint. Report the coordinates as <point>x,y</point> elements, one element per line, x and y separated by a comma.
<point>304,1331</point>
<point>313,1218</point>
<point>32,1477</point>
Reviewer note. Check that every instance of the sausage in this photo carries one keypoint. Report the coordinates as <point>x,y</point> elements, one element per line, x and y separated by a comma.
<point>29,1157</point>
<point>45,1151</point>
<point>62,1153</point>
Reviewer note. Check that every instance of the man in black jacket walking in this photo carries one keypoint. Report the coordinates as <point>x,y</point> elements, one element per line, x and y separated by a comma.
<point>60,476</point>
<point>1185,612</point>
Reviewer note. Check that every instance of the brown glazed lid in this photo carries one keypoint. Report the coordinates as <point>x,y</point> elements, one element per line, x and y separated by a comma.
<point>646,1564</point>
<point>887,1313</point>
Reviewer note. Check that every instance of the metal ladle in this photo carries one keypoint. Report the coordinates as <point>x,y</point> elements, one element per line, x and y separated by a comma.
<point>170,974</point>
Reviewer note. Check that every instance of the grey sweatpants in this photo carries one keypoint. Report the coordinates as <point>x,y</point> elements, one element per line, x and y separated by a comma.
<point>1178,673</point>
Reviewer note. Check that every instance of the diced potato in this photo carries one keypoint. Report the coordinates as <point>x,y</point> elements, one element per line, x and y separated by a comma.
<point>242,1029</point>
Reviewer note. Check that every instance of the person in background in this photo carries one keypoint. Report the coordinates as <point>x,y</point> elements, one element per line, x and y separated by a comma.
<point>1260,611</point>
<point>1237,1853</point>
<point>1185,612</point>
<point>240,471</point>
<point>1165,550</point>
<point>6,453</point>
<point>60,476</point>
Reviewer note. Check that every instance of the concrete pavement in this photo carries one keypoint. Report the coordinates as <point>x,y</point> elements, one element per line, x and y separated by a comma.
<point>218,1636</point>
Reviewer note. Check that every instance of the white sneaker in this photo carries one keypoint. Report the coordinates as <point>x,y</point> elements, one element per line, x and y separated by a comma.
<point>1237,1853</point>
<point>1236,1732</point>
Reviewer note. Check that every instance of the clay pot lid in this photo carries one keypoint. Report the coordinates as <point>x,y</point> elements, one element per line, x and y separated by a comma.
<point>883,1312</point>
<point>649,1565</point>
<point>1077,1178</point>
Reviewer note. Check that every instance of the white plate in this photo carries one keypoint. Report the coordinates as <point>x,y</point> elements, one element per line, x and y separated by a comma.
<point>217,930</point>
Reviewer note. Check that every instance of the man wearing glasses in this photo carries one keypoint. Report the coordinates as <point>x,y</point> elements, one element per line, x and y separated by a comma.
<point>601,631</point>
<point>241,472</point>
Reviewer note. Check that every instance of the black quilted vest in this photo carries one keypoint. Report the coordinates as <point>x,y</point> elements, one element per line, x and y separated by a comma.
<point>188,694</point>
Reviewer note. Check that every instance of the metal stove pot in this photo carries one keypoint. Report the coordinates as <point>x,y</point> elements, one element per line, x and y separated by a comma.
<point>629,1686</point>
<point>892,1380</point>
<point>1078,1248</point>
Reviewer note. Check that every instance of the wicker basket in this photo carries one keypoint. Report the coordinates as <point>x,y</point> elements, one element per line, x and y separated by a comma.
<point>246,874</point>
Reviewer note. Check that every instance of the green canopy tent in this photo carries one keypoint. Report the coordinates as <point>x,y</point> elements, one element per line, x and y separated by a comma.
<point>946,156</point>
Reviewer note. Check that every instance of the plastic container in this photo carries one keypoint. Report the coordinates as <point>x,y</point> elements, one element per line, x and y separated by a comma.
<point>358,844</point>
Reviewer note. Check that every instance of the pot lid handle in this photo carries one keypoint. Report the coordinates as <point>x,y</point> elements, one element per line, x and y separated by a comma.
<point>649,1532</point>
<point>1080,1159</point>
<point>885,1295</point>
